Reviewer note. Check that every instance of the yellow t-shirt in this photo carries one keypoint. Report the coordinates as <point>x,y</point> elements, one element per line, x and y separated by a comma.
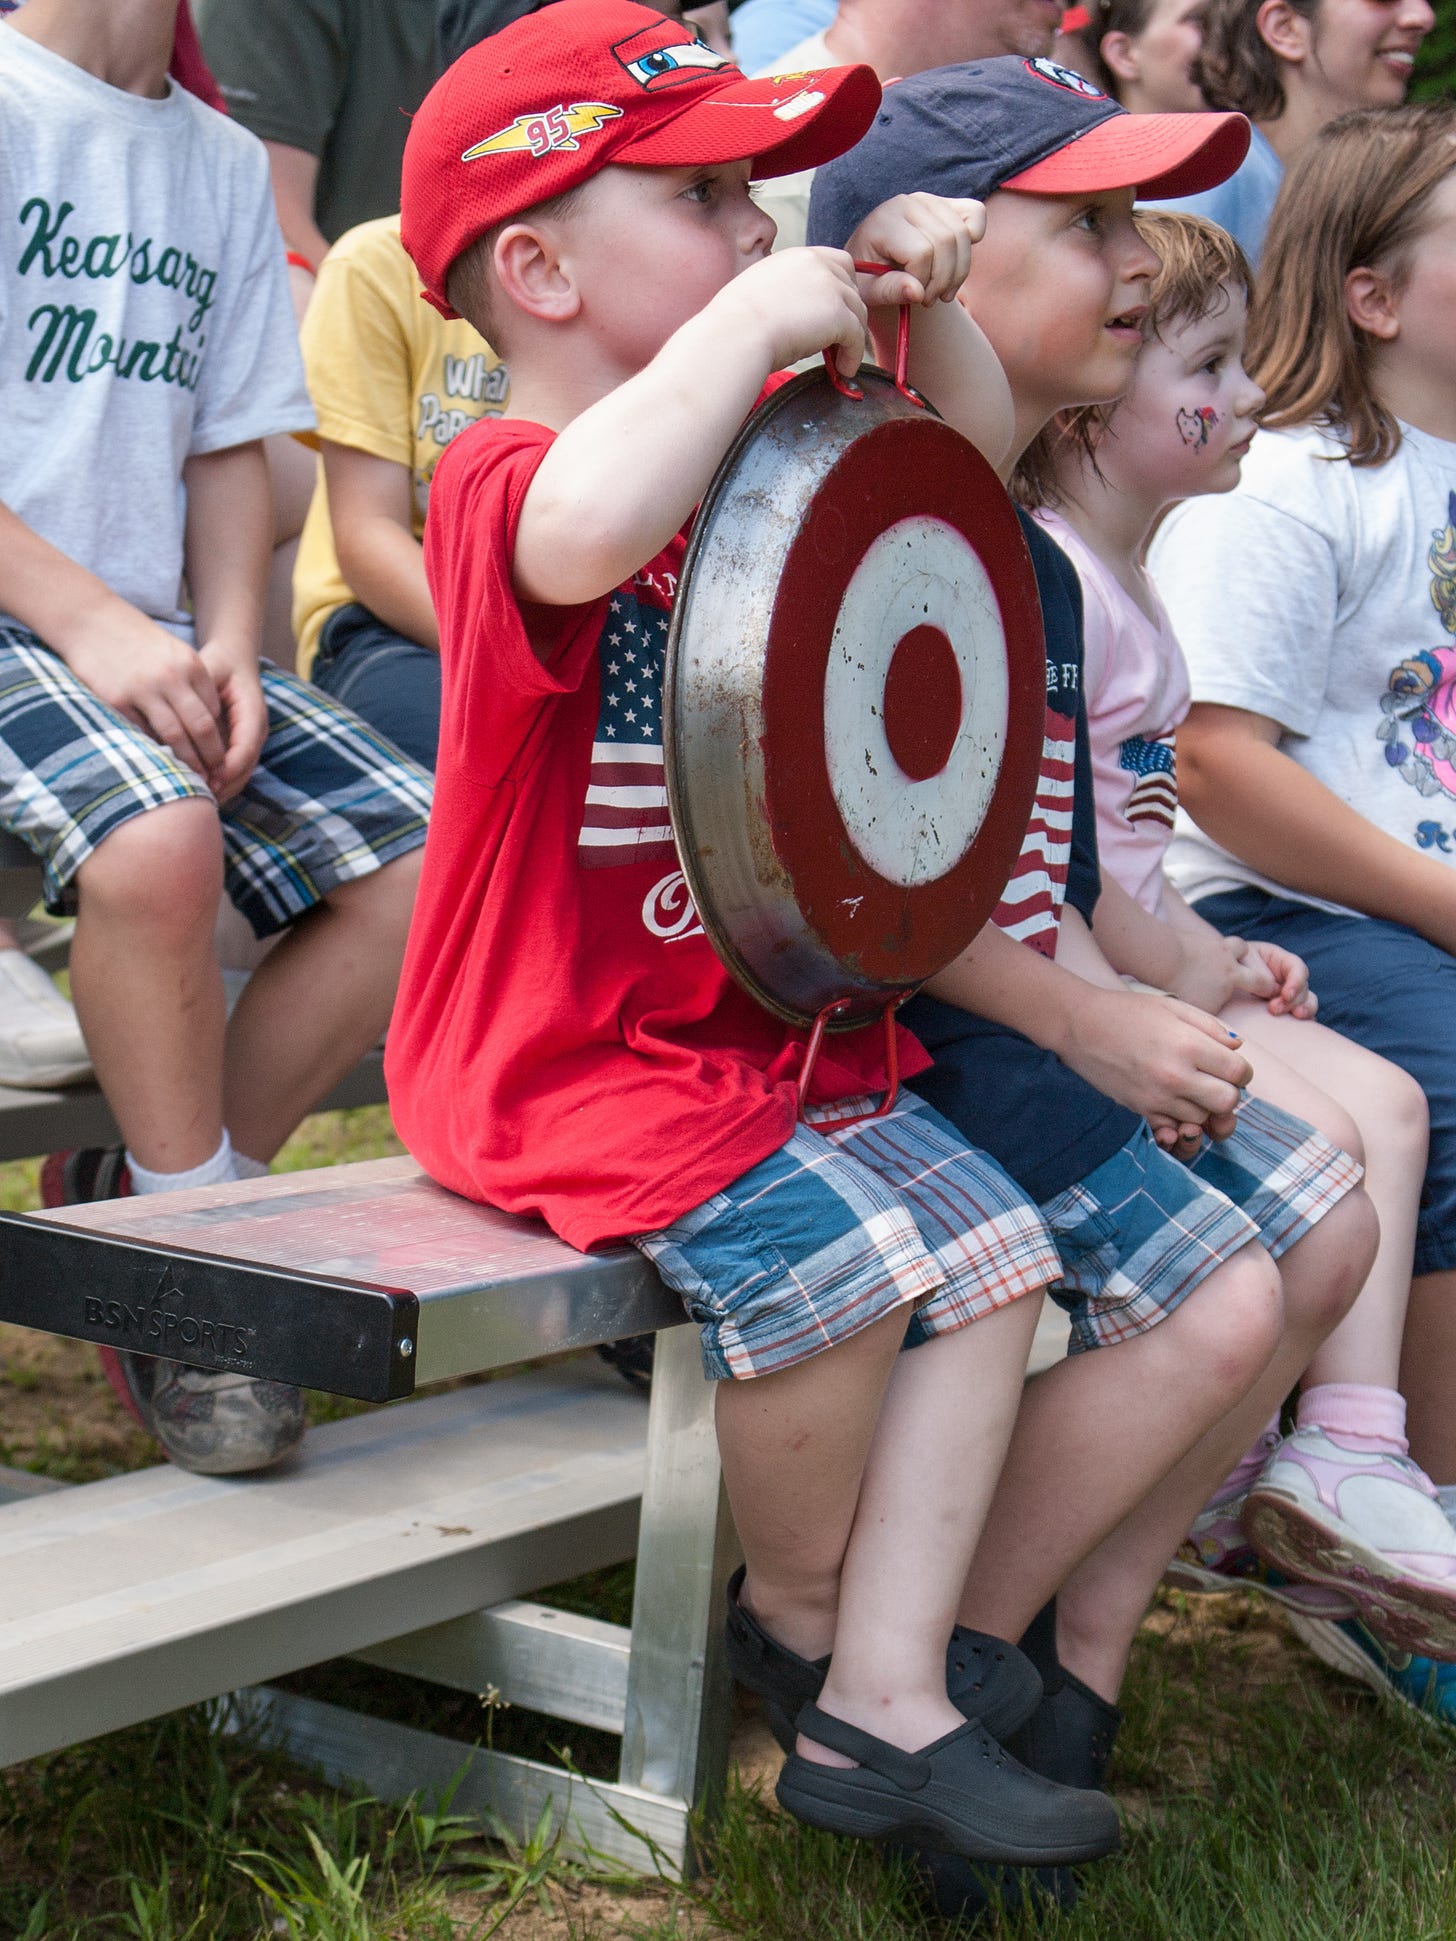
<point>388,376</point>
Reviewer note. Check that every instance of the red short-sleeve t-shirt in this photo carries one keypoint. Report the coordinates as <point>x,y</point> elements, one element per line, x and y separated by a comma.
<point>566,1041</point>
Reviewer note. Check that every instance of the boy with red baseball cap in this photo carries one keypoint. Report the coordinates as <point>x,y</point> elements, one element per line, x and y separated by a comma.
<point>566,1041</point>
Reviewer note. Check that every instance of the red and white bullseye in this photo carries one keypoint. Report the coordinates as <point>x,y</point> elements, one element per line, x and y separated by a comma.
<point>915,701</point>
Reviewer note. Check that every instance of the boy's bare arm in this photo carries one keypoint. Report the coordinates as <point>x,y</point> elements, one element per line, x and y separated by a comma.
<point>1262,806</point>
<point>294,174</point>
<point>929,239</point>
<point>624,475</point>
<point>147,674</point>
<point>227,543</point>
<point>1170,1063</point>
<point>370,506</point>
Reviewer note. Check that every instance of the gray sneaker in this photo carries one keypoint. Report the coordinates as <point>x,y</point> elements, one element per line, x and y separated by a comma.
<point>212,1422</point>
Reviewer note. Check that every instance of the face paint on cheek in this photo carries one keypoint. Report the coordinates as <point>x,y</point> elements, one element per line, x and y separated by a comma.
<point>1194,426</point>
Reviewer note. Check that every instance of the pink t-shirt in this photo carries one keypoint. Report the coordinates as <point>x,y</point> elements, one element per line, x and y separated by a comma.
<point>1136,686</point>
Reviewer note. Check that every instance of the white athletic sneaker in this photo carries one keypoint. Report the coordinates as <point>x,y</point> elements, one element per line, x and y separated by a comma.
<point>40,1041</point>
<point>1364,1523</point>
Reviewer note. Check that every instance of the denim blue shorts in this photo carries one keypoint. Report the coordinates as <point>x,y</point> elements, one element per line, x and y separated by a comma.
<point>839,1228</point>
<point>1143,1229</point>
<point>1393,991</point>
<point>329,801</point>
<point>389,681</point>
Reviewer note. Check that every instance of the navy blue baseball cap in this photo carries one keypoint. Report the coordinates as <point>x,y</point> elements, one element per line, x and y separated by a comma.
<point>1017,123</point>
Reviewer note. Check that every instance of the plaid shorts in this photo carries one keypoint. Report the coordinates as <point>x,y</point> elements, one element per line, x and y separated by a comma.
<point>330,800</point>
<point>1143,1229</point>
<point>839,1228</point>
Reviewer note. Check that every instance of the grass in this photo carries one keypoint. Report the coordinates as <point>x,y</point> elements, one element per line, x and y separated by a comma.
<point>1264,1799</point>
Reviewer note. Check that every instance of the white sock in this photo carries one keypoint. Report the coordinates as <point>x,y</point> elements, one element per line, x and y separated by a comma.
<point>212,1172</point>
<point>1446,1497</point>
<point>245,1168</point>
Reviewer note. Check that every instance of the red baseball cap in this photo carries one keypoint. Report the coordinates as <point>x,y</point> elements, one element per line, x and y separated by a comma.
<point>550,100</point>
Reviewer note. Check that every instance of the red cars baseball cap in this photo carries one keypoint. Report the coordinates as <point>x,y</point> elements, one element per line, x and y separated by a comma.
<point>552,99</point>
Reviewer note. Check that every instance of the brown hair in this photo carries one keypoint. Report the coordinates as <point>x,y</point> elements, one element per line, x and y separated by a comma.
<point>1236,67</point>
<point>1197,259</point>
<point>1355,199</point>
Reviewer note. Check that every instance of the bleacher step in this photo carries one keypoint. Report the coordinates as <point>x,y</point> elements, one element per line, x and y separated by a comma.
<point>151,1591</point>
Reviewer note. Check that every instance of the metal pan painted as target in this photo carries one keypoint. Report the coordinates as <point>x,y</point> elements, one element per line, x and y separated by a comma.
<point>855,699</point>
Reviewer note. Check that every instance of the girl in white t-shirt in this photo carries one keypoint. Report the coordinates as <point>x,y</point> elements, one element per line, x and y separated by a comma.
<point>1317,607</point>
<point>1342,1486</point>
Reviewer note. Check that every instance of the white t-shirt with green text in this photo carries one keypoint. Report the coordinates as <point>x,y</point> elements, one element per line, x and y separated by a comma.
<point>144,314</point>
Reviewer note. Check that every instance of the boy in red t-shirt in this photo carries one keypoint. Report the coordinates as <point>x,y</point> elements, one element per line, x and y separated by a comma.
<point>566,1041</point>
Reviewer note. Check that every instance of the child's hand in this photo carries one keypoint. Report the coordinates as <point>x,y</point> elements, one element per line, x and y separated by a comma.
<point>1211,969</point>
<point>799,302</point>
<point>159,683</point>
<point>1165,1060</point>
<point>1278,975</point>
<point>244,718</point>
<point>927,239</point>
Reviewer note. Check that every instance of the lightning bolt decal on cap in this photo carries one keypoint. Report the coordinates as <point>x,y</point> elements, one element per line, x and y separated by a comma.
<point>554,129</point>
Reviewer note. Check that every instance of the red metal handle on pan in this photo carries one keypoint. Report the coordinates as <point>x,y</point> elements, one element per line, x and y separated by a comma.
<point>892,1064</point>
<point>902,350</point>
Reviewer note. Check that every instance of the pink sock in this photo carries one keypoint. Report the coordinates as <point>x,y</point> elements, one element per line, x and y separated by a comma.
<point>1361,1415</point>
<point>1249,1465</point>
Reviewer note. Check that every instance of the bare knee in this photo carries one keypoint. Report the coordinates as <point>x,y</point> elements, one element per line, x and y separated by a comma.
<point>1325,1271</point>
<point>161,870</point>
<point>386,895</point>
<point>1395,1117</point>
<point>1232,1322</point>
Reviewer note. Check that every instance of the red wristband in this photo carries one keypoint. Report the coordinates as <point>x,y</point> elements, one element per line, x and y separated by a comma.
<point>297,262</point>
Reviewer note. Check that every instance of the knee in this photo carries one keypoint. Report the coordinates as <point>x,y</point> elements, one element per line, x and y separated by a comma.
<point>1331,1263</point>
<point>386,895</point>
<point>1340,1128</point>
<point>1397,1119</point>
<point>162,869</point>
<point>1234,1321</point>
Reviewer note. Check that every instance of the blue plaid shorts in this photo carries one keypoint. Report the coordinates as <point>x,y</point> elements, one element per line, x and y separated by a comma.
<point>330,800</point>
<point>1143,1229</point>
<point>839,1228</point>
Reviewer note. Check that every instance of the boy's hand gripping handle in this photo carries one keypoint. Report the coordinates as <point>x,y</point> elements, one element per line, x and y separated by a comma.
<point>902,350</point>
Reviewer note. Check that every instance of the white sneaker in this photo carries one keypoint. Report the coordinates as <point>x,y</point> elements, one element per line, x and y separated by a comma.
<point>40,1041</point>
<point>1364,1523</point>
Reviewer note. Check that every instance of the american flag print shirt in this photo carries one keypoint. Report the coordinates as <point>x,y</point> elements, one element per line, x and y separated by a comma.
<point>1031,904</point>
<point>625,818</point>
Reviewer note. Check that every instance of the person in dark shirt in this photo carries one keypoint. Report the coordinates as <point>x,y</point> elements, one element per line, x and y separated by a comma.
<point>1092,1095</point>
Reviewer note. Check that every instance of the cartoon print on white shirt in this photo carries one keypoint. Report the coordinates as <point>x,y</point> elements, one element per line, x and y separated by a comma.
<point>1419,703</point>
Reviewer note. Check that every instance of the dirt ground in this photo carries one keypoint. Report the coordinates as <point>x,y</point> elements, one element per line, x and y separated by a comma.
<point>57,1412</point>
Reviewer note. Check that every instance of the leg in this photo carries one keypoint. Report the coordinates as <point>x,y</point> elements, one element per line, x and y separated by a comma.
<point>793,1447</point>
<point>341,881</point>
<point>315,1005</point>
<point>1377,1112</point>
<point>1102,1603</point>
<point>1356,963</point>
<point>389,681</point>
<point>1097,1434</point>
<point>1427,1361</point>
<point>146,984</point>
<point>938,1447</point>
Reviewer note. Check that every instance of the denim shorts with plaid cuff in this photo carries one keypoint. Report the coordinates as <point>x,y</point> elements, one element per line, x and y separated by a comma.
<point>330,800</point>
<point>1143,1229</point>
<point>839,1228</point>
